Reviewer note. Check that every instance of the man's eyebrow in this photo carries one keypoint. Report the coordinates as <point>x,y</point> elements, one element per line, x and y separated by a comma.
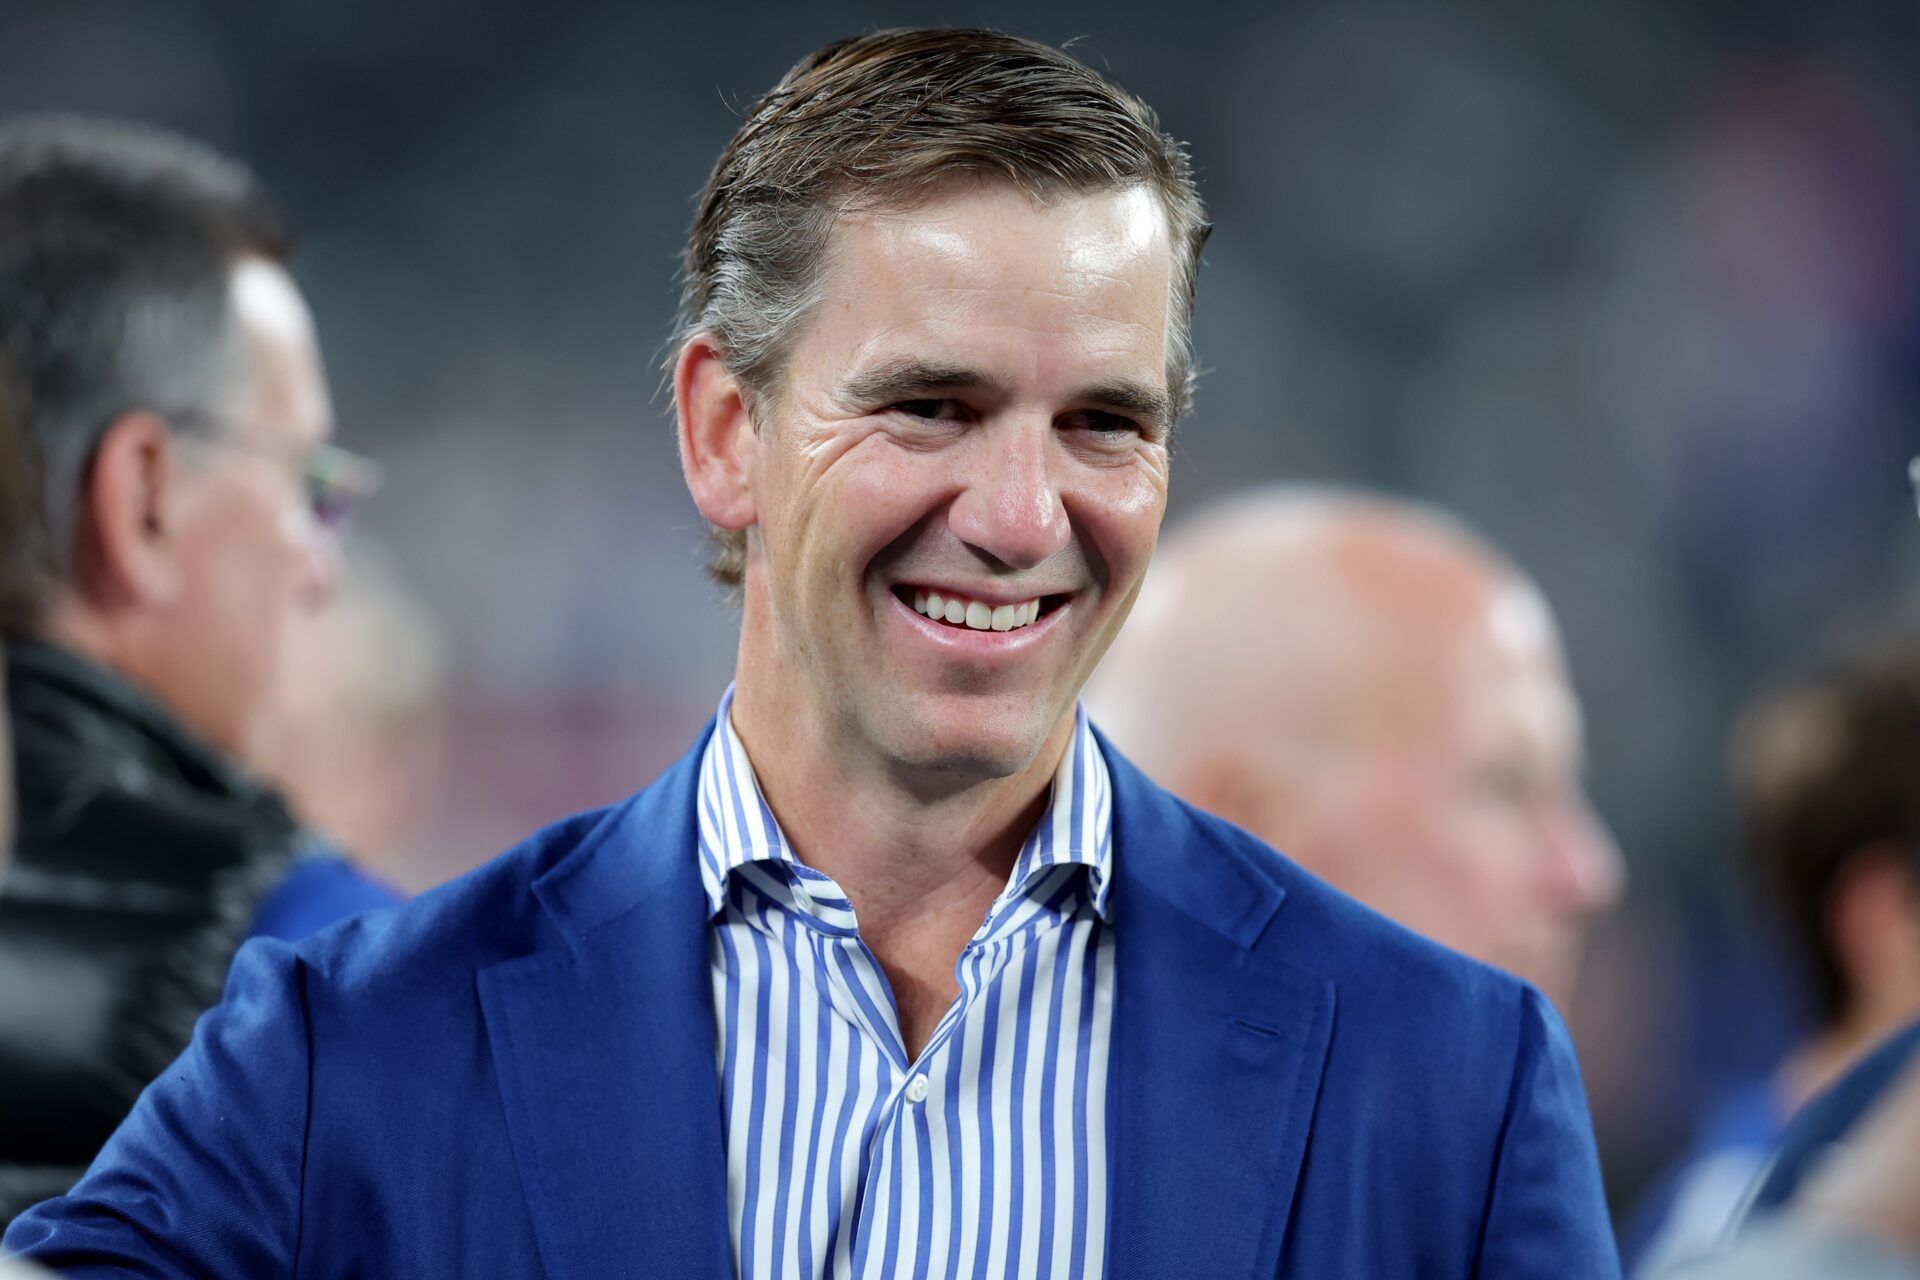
<point>1140,399</point>
<point>909,379</point>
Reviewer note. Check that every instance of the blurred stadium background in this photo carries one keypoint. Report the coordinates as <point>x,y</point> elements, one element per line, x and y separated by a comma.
<point>1630,286</point>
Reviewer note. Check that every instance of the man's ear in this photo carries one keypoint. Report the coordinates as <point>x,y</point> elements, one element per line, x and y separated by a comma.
<point>126,537</point>
<point>717,439</point>
<point>1870,915</point>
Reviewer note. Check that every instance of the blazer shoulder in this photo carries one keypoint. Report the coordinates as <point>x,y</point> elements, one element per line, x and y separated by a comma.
<point>1400,997</point>
<point>1339,938</point>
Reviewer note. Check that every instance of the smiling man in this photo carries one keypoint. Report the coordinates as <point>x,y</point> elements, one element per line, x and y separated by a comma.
<point>901,971</point>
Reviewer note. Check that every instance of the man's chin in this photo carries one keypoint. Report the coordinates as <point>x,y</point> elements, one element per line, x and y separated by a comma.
<point>978,759</point>
<point>946,742</point>
<point>1554,974</point>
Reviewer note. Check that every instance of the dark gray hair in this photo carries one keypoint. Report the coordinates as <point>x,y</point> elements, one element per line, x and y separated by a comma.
<point>883,121</point>
<point>117,245</point>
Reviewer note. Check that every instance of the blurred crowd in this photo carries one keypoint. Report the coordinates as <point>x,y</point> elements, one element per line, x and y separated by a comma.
<point>1546,501</point>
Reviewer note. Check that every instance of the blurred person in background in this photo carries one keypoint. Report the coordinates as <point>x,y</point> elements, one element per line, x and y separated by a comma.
<point>1856,1217</point>
<point>1827,772</point>
<point>14,506</point>
<point>1378,692</point>
<point>13,509</point>
<point>899,971</point>
<point>358,750</point>
<point>13,522</point>
<point>169,395</point>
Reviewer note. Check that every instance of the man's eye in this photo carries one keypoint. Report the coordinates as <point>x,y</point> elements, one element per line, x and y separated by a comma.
<point>1111,425</point>
<point>931,410</point>
<point>1503,783</point>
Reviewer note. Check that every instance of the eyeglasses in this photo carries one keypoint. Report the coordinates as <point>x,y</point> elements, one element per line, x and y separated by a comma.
<point>337,482</point>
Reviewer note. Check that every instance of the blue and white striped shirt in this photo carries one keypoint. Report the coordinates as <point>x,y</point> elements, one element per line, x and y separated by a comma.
<point>985,1158</point>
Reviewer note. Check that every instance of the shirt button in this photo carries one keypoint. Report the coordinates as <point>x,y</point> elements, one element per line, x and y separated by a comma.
<point>917,1089</point>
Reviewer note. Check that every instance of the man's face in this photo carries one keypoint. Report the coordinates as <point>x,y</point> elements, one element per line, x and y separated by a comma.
<point>251,552</point>
<point>1470,825</point>
<point>976,411</point>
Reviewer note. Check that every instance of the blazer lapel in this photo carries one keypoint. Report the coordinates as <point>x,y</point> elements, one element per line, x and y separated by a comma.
<point>1217,1050</point>
<point>606,1054</point>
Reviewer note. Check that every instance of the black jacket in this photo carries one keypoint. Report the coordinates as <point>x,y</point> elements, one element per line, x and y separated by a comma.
<point>140,859</point>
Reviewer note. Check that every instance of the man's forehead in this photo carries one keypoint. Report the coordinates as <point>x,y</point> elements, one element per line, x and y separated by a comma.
<point>285,381</point>
<point>1488,675</point>
<point>268,302</point>
<point>986,223</point>
<point>1521,694</point>
<point>1132,215</point>
<point>943,282</point>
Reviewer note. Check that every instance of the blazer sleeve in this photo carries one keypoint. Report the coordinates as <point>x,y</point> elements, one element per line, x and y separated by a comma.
<point>1546,1212</point>
<point>203,1179</point>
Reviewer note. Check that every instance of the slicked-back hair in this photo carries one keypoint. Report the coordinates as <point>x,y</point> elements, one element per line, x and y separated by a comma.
<point>886,121</point>
<point>1827,769</point>
<point>117,246</point>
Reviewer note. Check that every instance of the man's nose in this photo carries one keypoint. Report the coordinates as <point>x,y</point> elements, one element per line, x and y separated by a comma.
<point>1011,509</point>
<point>1588,871</point>
<point>323,566</point>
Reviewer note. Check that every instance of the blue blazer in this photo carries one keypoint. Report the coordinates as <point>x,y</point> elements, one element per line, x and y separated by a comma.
<point>515,1076</point>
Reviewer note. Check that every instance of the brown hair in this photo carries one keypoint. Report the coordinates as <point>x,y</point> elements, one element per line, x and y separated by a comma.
<point>884,121</point>
<point>1827,769</point>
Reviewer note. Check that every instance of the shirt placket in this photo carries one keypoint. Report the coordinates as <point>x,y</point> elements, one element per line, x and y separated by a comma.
<point>852,971</point>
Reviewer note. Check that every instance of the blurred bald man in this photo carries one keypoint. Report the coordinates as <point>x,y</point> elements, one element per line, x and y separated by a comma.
<point>1378,692</point>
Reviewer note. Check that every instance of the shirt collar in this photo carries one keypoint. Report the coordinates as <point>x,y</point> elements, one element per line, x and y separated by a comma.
<point>738,834</point>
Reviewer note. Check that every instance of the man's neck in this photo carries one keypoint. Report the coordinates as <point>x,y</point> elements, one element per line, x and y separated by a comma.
<point>904,847</point>
<point>117,641</point>
<point>921,861</point>
<point>70,626</point>
<point>1827,1055</point>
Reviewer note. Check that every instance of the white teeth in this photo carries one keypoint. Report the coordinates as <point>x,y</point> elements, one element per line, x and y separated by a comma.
<point>975,614</point>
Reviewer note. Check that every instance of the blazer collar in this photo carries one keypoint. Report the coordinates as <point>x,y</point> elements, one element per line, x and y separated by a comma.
<point>1219,1044</point>
<point>1193,869</point>
<point>606,1053</point>
<point>640,850</point>
<point>606,1049</point>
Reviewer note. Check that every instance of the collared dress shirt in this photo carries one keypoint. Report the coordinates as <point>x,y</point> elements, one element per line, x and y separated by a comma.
<point>986,1157</point>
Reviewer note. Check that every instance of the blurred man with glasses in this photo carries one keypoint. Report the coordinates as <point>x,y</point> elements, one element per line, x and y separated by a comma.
<point>183,505</point>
